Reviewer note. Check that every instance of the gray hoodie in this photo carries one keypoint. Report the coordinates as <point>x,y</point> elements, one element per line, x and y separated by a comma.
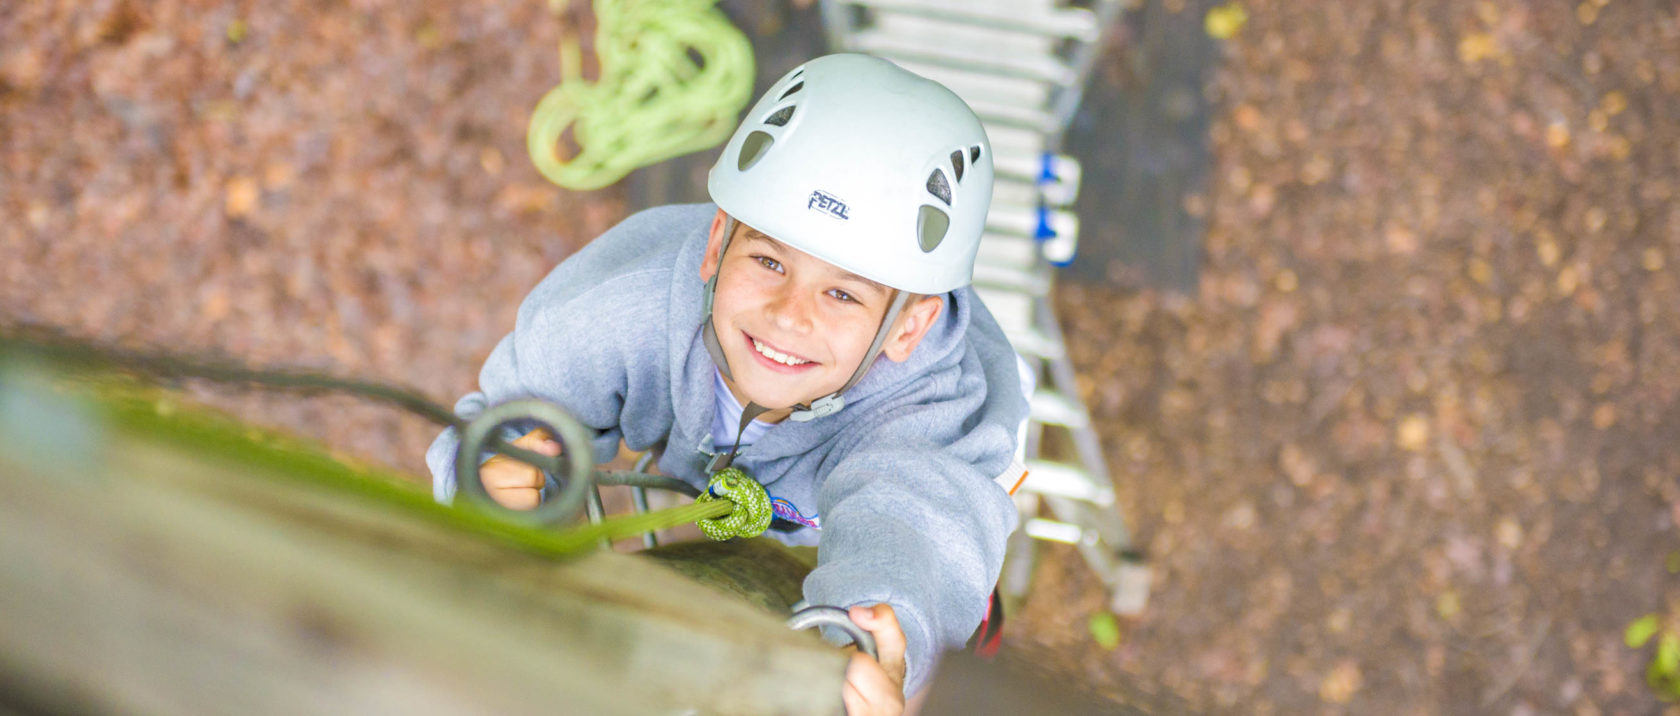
<point>900,480</point>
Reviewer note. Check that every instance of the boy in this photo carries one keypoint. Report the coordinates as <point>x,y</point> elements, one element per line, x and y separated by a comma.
<point>816,327</point>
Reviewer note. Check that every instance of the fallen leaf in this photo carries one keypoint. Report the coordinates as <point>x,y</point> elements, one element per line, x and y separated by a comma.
<point>1339,686</point>
<point>1223,22</point>
<point>1447,605</point>
<point>1105,630</point>
<point>1413,432</point>
<point>241,196</point>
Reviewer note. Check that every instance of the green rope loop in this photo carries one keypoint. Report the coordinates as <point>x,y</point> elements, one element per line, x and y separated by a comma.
<point>673,76</point>
<point>752,512</point>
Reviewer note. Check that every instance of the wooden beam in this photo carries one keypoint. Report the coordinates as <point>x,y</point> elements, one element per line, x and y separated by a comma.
<point>148,577</point>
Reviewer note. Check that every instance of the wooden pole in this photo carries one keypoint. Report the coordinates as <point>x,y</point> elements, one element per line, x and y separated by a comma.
<point>139,575</point>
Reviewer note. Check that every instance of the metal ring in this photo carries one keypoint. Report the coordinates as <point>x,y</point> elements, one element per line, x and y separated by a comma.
<point>575,458</point>
<point>821,616</point>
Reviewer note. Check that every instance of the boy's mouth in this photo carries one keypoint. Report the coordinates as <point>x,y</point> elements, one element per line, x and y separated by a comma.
<point>775,359</point>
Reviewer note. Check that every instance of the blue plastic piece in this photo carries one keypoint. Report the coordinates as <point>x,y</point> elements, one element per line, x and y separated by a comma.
<point>1047,168</point>
<point>1043,231</point>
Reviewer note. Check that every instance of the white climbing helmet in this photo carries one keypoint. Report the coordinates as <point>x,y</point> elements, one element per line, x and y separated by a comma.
<point>867,166</point>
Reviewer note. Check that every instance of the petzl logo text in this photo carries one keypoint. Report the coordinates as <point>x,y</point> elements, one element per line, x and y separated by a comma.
<point>828,204</point>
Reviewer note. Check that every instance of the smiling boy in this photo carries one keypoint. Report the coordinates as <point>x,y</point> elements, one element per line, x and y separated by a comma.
<point>816,328</point>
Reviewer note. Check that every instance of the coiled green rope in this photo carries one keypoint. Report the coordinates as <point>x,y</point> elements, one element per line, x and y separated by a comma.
<point>752,512</point>
<point>673,76</point>
<point>733,505</point>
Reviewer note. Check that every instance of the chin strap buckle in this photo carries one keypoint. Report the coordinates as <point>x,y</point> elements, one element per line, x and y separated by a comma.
<point>819,408</point>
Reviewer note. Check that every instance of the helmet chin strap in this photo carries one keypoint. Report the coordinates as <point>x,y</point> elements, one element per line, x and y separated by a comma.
<point>821,407</point>
<point>833,402</point>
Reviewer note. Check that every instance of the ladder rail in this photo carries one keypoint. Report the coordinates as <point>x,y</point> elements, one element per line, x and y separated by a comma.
<point>1023,66</point>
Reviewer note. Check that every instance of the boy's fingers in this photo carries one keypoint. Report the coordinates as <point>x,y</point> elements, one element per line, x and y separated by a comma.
<point>513,480</point>
<point>499,473</point>
<point>880,621</point>
<point>517,499</point>
<point>539,440</point>
<point>870,690</point>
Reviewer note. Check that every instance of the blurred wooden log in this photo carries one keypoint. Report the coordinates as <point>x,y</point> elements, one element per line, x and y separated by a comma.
<point>140,576</point>
<point>759,571</point>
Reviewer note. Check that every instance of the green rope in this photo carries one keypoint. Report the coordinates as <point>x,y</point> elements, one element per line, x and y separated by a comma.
<point>652,99</point>
<point>627,526</point>
<point>733,505</point>
<point>752,514</point>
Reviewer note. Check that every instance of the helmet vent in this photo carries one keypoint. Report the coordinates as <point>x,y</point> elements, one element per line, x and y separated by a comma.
<point>753,149</point>
<point>937,186</point>
<point>974,154</point>
<point>781,117</point>
<point>931,225</point>
<point>957,165</point>
<point>795,88</point>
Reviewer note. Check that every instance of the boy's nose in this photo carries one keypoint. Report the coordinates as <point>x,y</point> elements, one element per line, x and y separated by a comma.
<point>791,312</point>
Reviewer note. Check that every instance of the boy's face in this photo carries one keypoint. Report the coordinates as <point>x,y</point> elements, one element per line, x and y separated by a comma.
<point>794,327</point>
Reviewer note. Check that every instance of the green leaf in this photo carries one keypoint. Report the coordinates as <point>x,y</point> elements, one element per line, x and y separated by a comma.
<point>1668,655</point>
<point>1673,562</point>
<point>1665,686</point>
<point>1105,630</point>
<point>1641,631</point>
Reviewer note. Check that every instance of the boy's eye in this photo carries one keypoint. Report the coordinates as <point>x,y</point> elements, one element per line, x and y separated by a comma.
<point>768,263</point>
<point>842,295</point>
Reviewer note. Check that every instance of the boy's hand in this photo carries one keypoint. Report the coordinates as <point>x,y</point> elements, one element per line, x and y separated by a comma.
<point>513,484</point>
<point>876,688</point>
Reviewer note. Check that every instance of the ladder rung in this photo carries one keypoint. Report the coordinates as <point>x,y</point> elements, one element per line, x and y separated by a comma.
<point>1013,311</point>
<point>946,37</point>
<point>984,86</point>
<point>1053,531</point>
<point>1015,314</point>
<point>1053,408</point>
<point>1005,250</point>
<point>1063,480</point>
<point>1031,221</point>
<point>1008,190</point>
<point>1020,140</point>
<point>1076,23</point>
<point>1029,66</point>
<point>1035,343</point>
<point>1025,116</point>
<point>1010,278</point>
<point>1058,175</point>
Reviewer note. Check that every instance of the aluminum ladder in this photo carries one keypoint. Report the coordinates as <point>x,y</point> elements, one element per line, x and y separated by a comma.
<point>1022,66</point>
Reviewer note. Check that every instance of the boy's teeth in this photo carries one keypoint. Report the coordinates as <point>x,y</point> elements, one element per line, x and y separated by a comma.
<point>777,356</point>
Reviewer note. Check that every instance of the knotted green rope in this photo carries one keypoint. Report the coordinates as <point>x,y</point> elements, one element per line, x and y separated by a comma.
<point>752,512</point>
<point>673,76</point>
<point>733,505</point>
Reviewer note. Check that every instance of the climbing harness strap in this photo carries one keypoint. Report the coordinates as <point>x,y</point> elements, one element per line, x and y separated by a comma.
<point>673,76</point>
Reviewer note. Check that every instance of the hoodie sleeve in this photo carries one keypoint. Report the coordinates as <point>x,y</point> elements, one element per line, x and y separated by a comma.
<point>912,518</point>
<point>543,358</point>
<point>585,338</point>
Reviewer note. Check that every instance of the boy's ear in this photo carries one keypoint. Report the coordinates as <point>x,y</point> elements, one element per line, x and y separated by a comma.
<point>914,322</point>
<point>714,242</point>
